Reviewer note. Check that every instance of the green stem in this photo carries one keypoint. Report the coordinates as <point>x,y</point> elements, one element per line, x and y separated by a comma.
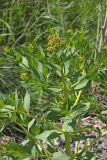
<point>65,90</point>
<point>47,153</point>
<point>67,143</point>
<point>77,99</point>
<point>76,147</point>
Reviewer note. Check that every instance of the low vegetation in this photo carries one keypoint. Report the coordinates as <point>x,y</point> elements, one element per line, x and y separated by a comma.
<point>53,75</point>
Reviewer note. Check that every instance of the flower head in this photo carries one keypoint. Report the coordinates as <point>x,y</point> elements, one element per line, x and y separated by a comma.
<point>6,49</point>
<point>30,46</point>
<point>54,42</point>
<point>24,76</point>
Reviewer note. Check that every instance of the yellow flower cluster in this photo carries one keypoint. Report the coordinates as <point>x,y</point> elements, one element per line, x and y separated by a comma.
<point>30,46</point>
<point>70,30</point>
<point>60,104</point>
<point>24,76</point>
<point>105,47</point>
<point>54,42</point>
<point>6,49</point>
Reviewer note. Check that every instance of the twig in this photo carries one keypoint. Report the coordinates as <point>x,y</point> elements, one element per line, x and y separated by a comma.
<point>101,32</point>
<point>98,31</point>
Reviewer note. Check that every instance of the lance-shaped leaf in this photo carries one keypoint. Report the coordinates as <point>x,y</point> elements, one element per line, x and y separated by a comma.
<point>60,156</point>
<point>48,135</point>
<point>31,123</point>
<point>82,84</point>
<point>25,61</point>
<point>26,104</point>
<point>16,98</point>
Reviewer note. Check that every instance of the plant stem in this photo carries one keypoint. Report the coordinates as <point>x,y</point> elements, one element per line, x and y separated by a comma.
<point>65,90</point>
<point>67,143</point>
<point>77,99</point>
<point>76,147</point>
<point>47,153</point>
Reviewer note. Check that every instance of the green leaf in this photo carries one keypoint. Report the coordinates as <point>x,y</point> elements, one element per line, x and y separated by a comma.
<point>80,109</point>
<point>35,130</point>
<point>103,118</point>
<point>35,73</point>
<point>67,65</point>
<point>78,137</point>
<point>82,84</point>
<point>1,127</point>
<point>40,67</point>
<point>31,123</point>
<point>33,151</point>
<point>104,112</point>
<point>69,125</point>
<point>17,151</point>
<point>25,61</point>
<point>88,155</point>
<point>26,104</point>
<point>16,98</point>
<point>55,89</point>
<point>48,135</point>
<point>7,108</point>
<point>53,114</point>
<point>13,116</point>
<point>60,156</point>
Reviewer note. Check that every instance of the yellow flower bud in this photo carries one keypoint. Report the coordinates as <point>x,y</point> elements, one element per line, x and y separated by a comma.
<point>24,76</point>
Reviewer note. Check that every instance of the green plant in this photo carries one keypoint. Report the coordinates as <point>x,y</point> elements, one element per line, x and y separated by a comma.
<point>52,90</point>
